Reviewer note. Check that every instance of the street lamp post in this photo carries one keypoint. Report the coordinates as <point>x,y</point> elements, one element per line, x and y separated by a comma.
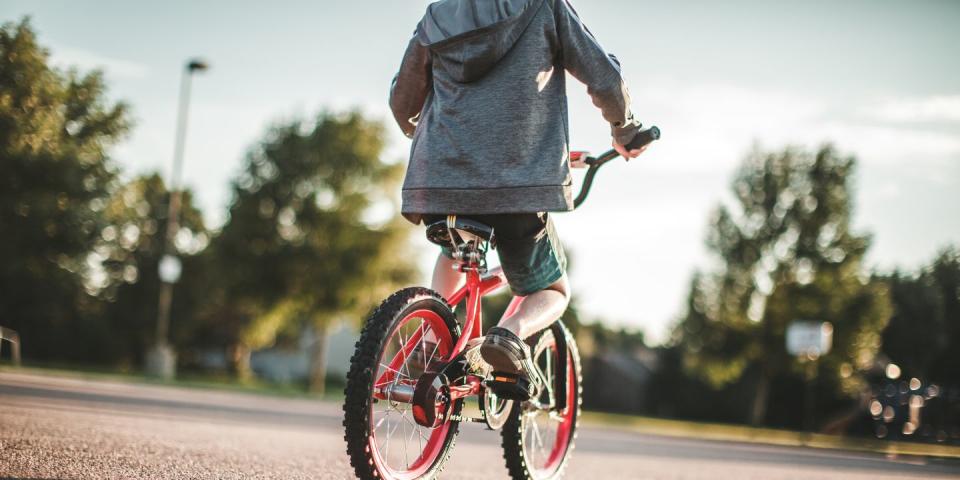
<point>161,360</point>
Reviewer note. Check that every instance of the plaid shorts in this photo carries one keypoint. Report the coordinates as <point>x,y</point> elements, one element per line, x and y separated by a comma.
<point>529,249</point>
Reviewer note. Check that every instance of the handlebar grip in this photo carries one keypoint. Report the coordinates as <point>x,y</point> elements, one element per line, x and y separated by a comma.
<point>644,137</point>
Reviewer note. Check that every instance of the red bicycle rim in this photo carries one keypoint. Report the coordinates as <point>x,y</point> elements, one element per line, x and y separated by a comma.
<point>394,423</point>
<point>564,425</point>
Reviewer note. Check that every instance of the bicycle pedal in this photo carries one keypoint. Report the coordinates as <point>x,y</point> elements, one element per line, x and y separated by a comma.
<point>510,386</point>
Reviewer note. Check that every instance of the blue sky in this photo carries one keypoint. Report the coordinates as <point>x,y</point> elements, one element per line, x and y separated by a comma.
<point>880,79</point>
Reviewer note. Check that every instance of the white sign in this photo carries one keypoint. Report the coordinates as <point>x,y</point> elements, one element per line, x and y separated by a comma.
<point>809,338</point>
<point>170,269</point>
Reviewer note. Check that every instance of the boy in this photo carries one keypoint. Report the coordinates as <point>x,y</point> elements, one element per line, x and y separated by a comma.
<point>482,93</point>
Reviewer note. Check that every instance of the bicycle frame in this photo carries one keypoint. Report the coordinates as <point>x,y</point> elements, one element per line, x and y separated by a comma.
<point>477,286</point>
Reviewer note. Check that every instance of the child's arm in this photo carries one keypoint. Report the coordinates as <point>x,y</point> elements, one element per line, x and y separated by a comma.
<point>586,60</point>
<point>411,86</point>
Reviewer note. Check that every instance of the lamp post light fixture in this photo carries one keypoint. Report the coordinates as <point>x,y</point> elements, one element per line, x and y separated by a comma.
<point>161,360</point>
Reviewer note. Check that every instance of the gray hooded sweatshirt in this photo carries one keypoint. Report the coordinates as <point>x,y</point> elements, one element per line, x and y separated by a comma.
<point>482,93</point>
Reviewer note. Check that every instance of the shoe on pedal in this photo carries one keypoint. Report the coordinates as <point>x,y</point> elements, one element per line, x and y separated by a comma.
<point>505,352</point>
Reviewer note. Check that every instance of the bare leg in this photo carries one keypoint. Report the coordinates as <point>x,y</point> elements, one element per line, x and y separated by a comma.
<point>539,310</point>
<point>446,280</point>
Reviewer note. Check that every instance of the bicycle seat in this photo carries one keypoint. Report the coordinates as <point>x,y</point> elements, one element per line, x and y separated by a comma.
<point>439,233</point>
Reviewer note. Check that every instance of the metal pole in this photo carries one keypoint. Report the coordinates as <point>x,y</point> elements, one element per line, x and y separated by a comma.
<point>173,208</point>
<point>161,361</point>
<point>810,395</point>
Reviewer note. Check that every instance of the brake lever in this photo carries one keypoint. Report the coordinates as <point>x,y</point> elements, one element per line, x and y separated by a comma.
<point>580,159</point>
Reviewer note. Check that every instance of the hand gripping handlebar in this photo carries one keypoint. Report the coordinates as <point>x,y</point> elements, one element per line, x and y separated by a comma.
<point>644,137</point>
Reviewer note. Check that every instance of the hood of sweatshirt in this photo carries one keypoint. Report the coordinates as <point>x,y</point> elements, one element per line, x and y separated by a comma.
<point>469,37</point>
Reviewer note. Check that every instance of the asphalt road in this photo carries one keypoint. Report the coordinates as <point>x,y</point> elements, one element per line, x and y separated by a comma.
<point>52,427</point>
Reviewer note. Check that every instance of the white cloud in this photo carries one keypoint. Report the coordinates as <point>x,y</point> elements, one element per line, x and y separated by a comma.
<point>890,190</point>
<point>66,57</point>
<point>708,127</point>
<point>893,144</point>
<point>940,108</point>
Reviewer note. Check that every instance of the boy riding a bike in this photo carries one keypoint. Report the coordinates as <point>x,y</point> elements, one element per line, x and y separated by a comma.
<point>482,92</point>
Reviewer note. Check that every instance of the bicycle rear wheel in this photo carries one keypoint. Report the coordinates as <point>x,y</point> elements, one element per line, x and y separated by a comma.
<point>537,443</point>
<point>409,332</point>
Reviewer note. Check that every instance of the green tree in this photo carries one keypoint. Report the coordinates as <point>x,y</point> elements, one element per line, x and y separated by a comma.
<point>304,244</point>
<point>787,253</point>
<point>129,252</point>
<point>923,336</point>
<point>55,180</point>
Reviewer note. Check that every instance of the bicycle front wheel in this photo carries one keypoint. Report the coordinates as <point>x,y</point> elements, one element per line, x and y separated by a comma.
<point>537,443</point>
<point>411,331</point>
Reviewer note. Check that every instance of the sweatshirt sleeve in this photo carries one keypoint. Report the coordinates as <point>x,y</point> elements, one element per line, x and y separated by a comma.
<point>411,86</point>
<point>586,60</point>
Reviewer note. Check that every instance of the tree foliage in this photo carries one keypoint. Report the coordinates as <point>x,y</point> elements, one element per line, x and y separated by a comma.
<point>786,252</point>
<point>55,181</point>
<point>923,336</point>
<point>304,243</point>
<point>129,251</point>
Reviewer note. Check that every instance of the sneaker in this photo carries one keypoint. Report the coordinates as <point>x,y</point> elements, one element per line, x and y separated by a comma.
<point>504,351</point>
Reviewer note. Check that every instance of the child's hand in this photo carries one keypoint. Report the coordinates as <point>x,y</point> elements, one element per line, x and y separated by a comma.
<point>628,154</point>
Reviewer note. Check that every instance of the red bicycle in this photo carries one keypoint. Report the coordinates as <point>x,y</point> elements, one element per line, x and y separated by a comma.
<point>414,367</point>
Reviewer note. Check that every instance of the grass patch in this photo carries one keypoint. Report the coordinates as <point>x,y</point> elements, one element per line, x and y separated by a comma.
<point>768,436</point>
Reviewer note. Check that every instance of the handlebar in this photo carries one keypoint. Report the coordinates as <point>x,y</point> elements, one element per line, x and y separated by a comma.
<point>644,137</point>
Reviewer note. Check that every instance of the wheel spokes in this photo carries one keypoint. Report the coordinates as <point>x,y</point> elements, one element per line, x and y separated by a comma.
<point>395,423</point>
<point>542,428</point>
